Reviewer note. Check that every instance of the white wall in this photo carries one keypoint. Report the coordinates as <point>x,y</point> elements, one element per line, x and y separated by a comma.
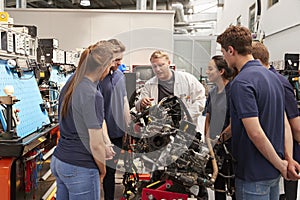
<point>281,23</point>
<point>192,53</point>
<point>140,31</point>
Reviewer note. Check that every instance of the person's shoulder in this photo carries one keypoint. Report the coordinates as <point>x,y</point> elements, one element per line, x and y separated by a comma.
<point>213,90</point>
<point>119,72</point>
<point>152,80</point>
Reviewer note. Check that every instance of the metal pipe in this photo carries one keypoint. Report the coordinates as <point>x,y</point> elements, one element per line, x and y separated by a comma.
<point>141,4</point>
<point>153,4</point>
<point>1,6</point>
<point>21,3</point>
<point>9,118</point>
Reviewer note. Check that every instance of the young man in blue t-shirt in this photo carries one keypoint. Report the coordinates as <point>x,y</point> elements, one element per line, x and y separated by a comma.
<point>257,119</point>
<point>116,115</point>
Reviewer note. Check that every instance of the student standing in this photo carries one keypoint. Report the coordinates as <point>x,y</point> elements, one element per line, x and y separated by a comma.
<point>78,162</point>
<point>217,121</point>
<point>257,119</point>
<point>116,114</point>
<point>260,51</point>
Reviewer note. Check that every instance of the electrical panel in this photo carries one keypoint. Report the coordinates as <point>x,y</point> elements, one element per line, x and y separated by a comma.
<point>71,57</point>
<point>58,56</point>
<point>7,41</point>
<point>291,61</point>
<point>47,53</point>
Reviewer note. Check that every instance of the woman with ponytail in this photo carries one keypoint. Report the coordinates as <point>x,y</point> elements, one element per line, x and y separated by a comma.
<point>78,162</point>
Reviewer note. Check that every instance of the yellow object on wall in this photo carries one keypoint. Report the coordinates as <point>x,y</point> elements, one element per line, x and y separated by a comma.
<point>4,16</point>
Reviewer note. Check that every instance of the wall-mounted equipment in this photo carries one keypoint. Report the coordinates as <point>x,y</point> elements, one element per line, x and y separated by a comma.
<point>7,102</point>
<point>291,70</point>
<point>7,41</point>
<point>46,50</point>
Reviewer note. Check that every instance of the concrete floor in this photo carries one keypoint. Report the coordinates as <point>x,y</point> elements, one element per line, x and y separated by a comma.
<point>119,189</point>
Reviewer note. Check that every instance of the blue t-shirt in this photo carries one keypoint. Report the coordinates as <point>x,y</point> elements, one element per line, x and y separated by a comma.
<point>113,88</point>
<point>256,92</point>
<point>291,107</point>
<point>85,112</point>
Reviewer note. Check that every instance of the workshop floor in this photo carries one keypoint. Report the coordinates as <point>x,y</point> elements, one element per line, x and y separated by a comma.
<point>119,189</point>
<point>119,177</point>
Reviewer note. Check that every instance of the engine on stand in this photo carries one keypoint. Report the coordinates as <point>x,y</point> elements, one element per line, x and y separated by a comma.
<point>164,139</point>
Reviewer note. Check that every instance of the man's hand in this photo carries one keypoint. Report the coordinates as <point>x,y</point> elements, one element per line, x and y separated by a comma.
<point>283,169</point>
<point>293,170</point>
<point>146,102</point>
<point>109,152</point>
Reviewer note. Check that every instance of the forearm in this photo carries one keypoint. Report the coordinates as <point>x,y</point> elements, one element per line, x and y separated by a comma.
<point>126,112</point>
<point>295,126</point>
<point>226,133</point>
<point>106,139</point>
<point>97,147</point>
<point>288,140</point>
<point>262,143</point>
<point>266,149</point>
<point>143,94</point>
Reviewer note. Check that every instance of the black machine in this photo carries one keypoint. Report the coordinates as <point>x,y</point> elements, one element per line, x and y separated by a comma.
<point>169,147</point>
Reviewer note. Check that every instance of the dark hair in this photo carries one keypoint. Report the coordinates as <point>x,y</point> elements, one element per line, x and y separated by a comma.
<point>260,51</point>
<point>222,64</point>
<point>240,38</point>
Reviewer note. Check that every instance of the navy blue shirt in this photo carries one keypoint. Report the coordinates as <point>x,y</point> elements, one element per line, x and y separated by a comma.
<point>291,107</point>
<point>113,88</point>
<point>256,92</point>
<point>85,112</point>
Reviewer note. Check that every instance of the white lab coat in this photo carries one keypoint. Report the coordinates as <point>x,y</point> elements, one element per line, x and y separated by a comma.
<point>186,86</point>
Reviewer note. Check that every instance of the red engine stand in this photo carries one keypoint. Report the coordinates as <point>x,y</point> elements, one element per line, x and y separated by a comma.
<point>161,193</point>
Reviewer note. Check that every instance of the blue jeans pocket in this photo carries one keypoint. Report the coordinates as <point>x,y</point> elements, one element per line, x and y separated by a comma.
<point>67,170</point>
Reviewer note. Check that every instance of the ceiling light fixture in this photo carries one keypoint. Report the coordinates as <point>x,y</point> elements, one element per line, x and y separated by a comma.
<point>85,3</point>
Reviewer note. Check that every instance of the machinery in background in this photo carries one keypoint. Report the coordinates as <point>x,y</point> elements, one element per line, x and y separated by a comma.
<point>55,67</point>
<point>28,135</point>
<point>291,71</point>
<point>165,141</point>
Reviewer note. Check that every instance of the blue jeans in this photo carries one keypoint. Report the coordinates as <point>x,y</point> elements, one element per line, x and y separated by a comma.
<point>260,190</point>
<point>74,182</point>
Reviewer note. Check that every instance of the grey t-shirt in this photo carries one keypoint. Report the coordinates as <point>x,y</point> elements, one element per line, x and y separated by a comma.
<point>166,88</point>
<point>217,107</point>
<point>85,112</point>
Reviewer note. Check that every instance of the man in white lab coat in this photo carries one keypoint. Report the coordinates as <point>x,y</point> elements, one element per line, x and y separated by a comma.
<point>168,82</point>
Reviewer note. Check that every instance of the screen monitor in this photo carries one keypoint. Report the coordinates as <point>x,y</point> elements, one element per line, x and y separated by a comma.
<point>143,72</point>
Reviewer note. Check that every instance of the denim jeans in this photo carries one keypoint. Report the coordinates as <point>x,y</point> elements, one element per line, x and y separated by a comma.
<point>74,182</point>
<point>260,190</point>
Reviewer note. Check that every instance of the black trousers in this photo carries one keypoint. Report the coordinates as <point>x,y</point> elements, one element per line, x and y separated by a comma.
<point>226,169</point>
<point>290,189</point>
<point>222,182</point>
<point>109,179</point>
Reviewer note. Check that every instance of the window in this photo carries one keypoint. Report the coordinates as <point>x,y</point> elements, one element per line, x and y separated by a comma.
<point>252,18</point>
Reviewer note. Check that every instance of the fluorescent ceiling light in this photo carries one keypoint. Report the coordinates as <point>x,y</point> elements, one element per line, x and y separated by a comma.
<point>85,2</point>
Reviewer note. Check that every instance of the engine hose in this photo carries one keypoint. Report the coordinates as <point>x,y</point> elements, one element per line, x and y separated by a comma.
<point>214,161</point>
